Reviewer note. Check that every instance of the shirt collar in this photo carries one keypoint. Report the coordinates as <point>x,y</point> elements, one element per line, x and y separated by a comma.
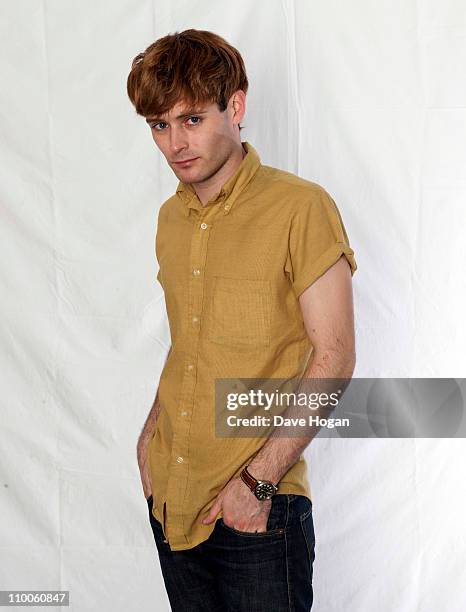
<point>231,188</point>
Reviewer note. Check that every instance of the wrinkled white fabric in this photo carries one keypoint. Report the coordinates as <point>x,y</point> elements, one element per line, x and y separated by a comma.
<point>366,98</point>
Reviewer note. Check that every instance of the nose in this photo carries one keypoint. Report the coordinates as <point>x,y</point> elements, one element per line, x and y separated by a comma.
<point>178,140</point>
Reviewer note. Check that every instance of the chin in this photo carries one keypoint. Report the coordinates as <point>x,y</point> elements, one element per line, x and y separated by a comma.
<point>190,173</point>
<point>185,175</point>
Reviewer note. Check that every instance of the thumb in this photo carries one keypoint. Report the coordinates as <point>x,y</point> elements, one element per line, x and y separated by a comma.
<point>210,516</point>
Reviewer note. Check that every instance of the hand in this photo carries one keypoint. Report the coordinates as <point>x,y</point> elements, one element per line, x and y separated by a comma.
<point>144,468</point>
<point>241,509</point>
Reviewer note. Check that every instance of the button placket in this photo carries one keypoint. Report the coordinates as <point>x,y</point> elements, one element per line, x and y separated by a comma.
<point>177,481</point>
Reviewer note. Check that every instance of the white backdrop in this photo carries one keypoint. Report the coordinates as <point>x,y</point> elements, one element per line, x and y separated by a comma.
<point>366,98</point>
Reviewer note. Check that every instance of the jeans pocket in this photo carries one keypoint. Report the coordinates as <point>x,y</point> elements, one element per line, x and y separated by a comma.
<point>276,521</point>
<point>252,534</point>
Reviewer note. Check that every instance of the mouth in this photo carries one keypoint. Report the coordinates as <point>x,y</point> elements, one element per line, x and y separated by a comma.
<point>185,162</point>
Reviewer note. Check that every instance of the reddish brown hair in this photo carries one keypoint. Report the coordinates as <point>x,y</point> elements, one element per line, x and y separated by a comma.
<point>195,66</point>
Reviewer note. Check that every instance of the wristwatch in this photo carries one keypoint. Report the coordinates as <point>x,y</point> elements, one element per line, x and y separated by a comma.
<point>262,489</point>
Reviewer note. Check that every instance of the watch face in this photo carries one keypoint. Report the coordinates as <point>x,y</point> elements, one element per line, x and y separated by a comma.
<point>264,490</point>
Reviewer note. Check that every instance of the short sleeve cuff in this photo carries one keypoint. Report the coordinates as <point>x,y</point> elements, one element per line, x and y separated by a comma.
<point>320,266</point>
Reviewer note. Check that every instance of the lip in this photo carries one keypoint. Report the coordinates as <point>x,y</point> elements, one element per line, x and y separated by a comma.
<point>185,161</point>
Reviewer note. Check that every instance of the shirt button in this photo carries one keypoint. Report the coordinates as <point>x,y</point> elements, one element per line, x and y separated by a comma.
<point>195,319</point>
<point>196,272</point>
<point>190,366</point>
<point>179,459</point>
<point>203,225</point>
<point>226,207</point>
<point>183,413</point>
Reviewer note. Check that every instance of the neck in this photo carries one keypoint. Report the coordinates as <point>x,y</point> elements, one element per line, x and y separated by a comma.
<point>206,191</point>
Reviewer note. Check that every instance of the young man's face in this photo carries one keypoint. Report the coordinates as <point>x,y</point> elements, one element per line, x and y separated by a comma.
<point>202,137</point>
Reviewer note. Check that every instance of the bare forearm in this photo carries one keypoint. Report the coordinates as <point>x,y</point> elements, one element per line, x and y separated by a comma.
<point>279,454</point>
<point>149,425</point>
<point>143,445</point>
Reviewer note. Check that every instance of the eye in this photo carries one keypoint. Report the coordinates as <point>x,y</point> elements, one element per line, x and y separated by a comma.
<point>154,125</point>
<point>198,119</point>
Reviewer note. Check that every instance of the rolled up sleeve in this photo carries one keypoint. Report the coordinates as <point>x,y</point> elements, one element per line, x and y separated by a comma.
<point>317,240</point>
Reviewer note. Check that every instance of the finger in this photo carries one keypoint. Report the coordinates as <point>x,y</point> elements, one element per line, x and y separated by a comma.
<point>263,527</point>
<point>210,516</point>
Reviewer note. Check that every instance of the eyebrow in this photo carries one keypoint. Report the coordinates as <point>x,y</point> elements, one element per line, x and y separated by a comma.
<point>188,113</point>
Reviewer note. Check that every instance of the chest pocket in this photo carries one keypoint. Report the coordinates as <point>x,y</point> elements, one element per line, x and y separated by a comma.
<point>240,313</point>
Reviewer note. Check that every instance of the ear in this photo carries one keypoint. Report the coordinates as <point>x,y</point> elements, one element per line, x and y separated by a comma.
<point>237,104</point>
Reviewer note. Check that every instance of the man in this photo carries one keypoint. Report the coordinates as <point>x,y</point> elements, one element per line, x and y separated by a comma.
<point>256,268</point>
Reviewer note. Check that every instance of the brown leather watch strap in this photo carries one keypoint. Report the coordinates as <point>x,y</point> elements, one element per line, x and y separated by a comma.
<point>248,479</point>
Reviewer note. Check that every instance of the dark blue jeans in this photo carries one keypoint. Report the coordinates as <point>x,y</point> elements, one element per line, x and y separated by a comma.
<point>238,571</point>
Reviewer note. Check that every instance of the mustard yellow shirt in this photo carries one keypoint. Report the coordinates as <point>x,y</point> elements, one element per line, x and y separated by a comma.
<point>232,271</point>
